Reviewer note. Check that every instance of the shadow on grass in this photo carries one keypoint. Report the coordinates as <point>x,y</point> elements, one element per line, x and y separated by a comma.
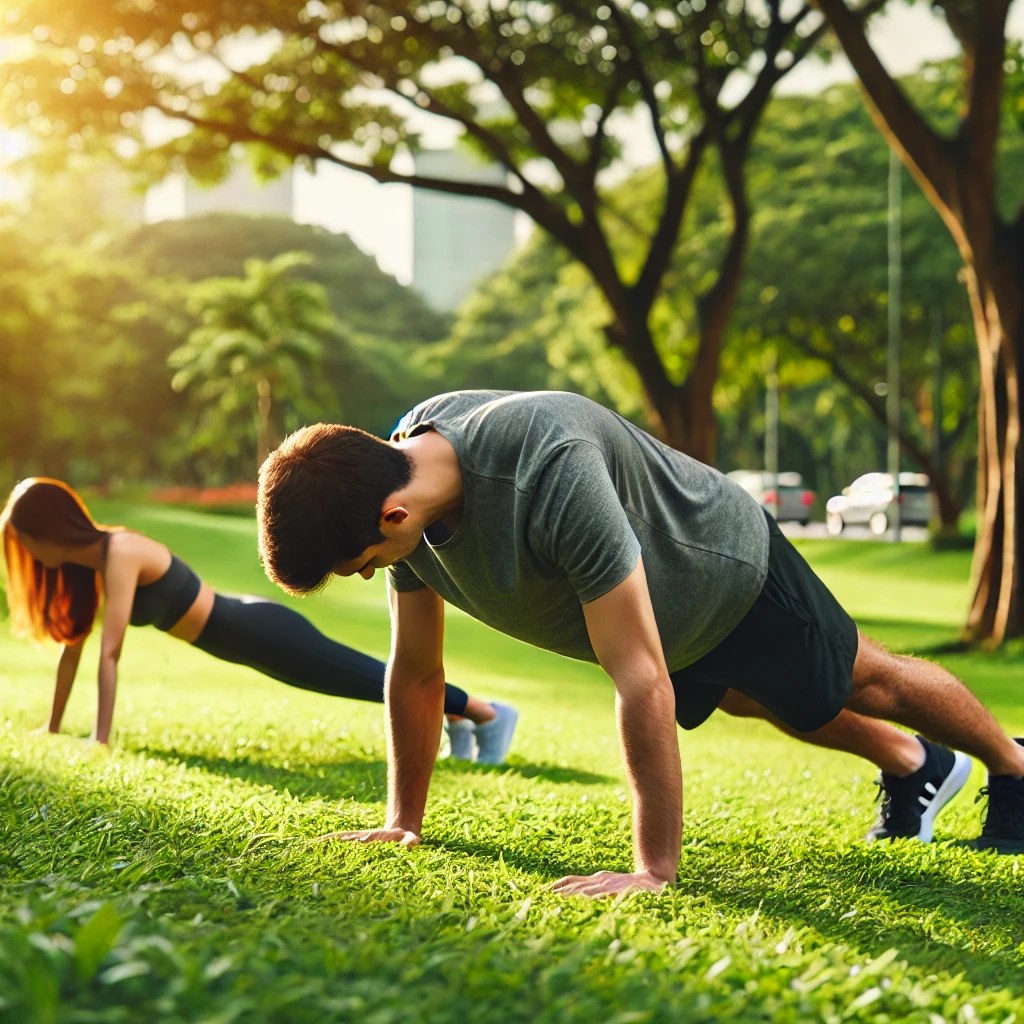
<point>362,780</point>
<point>926,895</point>
<point>728,875</point>
<point>908,636</point>
<point>527,770</point>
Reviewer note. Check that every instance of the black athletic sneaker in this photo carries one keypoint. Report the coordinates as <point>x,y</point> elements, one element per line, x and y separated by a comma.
<point>910,804</point>
<point>1003,830</point>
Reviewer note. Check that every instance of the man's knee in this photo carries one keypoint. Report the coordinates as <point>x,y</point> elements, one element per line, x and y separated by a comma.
<point>736,704</point>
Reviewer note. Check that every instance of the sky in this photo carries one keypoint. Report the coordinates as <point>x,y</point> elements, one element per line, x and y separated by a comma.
<point>379,217</point>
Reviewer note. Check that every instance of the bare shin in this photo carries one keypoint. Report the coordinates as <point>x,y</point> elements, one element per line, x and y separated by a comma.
<point>925,697</point>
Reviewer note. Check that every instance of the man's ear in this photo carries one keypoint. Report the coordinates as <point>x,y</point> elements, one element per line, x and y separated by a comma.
<point>394,516</point>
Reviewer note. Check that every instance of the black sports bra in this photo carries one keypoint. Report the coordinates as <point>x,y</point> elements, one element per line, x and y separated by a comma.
<point>164,601</point>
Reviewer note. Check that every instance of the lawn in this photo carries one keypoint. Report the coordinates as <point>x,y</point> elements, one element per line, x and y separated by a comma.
<point>177,880</point>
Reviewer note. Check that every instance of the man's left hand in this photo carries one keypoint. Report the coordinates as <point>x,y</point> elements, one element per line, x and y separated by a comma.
<point>608,883</point>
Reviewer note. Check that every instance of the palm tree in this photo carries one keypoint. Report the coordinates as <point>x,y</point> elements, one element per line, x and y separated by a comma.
<point>258,336</point>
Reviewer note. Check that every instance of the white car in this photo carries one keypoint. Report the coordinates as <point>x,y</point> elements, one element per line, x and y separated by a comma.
<point>868,502</point>
<point>784,496</point>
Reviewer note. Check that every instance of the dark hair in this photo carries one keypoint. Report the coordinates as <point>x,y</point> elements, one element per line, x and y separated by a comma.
<point>61,603</point>
<point>320,499</point>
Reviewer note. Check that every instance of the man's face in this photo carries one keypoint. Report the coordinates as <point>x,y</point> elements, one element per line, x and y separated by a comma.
<point>401,539</point>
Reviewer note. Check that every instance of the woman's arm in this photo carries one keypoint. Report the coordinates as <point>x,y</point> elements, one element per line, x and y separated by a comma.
<point>67,668</point>
<point>119,582</point>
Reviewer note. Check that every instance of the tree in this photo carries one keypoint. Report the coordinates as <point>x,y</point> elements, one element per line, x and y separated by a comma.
<point>958,170</point>
<point>84,339</point>
<point>815,289</point>
<point>257,336</point>
<point>529,84</point>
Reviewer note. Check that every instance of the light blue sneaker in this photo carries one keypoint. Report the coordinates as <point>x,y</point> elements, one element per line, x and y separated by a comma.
<point>462,739</point>
<point>493,738</point>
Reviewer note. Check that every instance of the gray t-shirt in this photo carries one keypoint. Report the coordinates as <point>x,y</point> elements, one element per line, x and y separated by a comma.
<point>561,498</point>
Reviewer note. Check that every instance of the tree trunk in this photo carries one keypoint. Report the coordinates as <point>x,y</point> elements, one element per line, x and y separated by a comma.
<point>997,300</point>
<point>264,409</point>
<point>683,415</point>
<point>949,507</point>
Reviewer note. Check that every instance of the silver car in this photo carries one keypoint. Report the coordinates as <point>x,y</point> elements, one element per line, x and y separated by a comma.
<point>868,501</point>
<point>784,496</point>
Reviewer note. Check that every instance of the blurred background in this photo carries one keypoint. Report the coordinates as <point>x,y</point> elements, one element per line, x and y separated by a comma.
<point>220,222</point>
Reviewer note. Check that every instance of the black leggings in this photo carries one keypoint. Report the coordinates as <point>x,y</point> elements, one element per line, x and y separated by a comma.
<point>280,643</point>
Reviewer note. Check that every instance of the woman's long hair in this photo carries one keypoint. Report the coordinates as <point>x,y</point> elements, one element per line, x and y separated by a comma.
<point>61,603</point>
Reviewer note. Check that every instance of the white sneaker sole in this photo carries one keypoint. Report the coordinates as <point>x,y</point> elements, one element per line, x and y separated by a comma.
<point>951,785</point>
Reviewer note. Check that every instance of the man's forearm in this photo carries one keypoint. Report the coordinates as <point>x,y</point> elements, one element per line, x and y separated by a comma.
<point>650,750</point>
<point>415,708</point>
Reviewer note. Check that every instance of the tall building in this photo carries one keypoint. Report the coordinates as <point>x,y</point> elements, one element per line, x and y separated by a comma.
<point>457,239</point>
<point>240,192</point>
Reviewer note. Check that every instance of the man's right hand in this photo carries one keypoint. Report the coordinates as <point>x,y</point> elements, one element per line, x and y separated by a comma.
<point>374,835</point>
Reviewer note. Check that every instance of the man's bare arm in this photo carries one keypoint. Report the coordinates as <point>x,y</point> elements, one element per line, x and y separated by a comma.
<point>414,702</point>
<point>624,634</point>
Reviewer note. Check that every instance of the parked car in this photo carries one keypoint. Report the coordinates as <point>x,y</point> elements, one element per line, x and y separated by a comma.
<point>784,496</point>
<point>868,501</point>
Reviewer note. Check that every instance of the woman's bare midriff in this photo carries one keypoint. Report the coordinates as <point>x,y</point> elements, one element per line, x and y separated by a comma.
<point>193,622</point>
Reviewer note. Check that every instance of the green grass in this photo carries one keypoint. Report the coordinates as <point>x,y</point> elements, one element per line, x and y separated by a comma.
<point>177,880</point>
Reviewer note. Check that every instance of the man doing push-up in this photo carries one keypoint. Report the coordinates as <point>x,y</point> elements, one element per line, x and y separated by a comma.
<point>558,522</point>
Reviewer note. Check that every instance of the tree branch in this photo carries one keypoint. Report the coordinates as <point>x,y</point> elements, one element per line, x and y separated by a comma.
<point>495,146</point>
<point>894,114</point>
<point>611,103</point>
<point>646,88</point>
<point>678,187</point>
<point>541,210</point>
<point>507,81</point>
<point>877,409</point>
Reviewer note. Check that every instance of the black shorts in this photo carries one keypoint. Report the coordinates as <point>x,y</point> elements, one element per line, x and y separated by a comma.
<point>793,652</point>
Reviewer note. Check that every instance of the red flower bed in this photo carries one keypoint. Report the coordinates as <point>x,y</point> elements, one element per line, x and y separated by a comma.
<point>232,494</point>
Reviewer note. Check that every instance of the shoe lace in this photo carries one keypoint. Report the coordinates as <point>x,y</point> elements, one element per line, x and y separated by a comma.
<point>894,812</point>
<point>1005,814</point>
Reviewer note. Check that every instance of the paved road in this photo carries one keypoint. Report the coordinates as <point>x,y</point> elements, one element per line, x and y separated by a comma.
<point>912,534</point>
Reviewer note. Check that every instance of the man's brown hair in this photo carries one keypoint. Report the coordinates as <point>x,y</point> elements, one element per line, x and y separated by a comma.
<point>320,499</point>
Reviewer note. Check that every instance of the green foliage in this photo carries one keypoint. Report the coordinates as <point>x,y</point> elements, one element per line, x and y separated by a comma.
<point>325,74</point>
<point>258,345</point>
<point>371,363</point>
<point>177,881</point>
<point>90,316</point>
<point>535,88</point>
<point>83,346</point>
<point>364,299</point>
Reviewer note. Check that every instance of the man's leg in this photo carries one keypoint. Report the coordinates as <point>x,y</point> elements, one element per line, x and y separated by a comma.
<point>893,751</point>
<point>925,697</point>
<point>918,779</point>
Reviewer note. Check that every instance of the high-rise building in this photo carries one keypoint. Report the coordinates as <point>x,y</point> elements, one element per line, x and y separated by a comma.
<point>457,240</point>
<point>240,192</point>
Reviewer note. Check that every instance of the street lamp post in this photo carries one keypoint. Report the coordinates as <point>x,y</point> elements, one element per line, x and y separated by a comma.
<point>892,398</point>
<point>771,426</point>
